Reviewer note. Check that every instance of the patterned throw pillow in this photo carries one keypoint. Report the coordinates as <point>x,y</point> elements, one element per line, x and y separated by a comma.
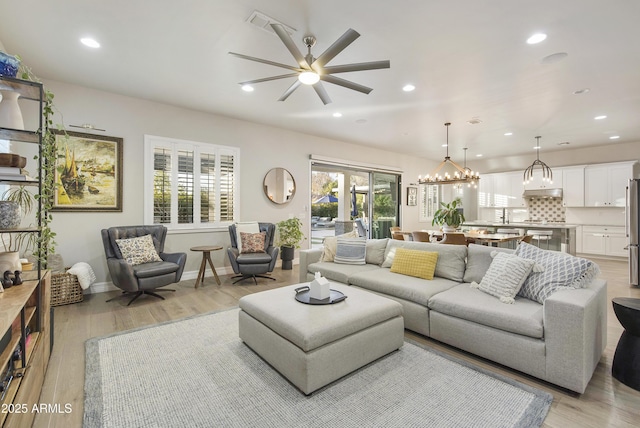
<point>351,251</point>
<point>562,271</point>
<point>330,244</point>
<point>505,276</point>
<point>421,264</point>
<point>253,242</point>
<point>139,250</point>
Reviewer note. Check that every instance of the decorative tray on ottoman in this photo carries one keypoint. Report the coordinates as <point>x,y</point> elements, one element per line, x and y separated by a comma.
<point>303,296</point>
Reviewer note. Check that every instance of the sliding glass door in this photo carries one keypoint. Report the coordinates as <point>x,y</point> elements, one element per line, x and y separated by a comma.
<point>343,195</point>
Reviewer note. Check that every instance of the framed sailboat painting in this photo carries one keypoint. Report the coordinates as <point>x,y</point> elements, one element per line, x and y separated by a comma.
<point>88,172</point>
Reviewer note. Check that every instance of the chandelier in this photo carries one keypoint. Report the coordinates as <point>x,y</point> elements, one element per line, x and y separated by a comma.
<point>547,174</point>
<point>459,175</point>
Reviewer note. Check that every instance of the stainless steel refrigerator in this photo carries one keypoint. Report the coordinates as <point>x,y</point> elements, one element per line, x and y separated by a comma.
<point>632,221</point>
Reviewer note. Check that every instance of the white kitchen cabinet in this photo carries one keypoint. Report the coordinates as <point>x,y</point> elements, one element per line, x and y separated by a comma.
<point>501,190</point>
<point>605,184</point>
<point>485,191</point>
<point>604,240</point>
<point>573,186</point>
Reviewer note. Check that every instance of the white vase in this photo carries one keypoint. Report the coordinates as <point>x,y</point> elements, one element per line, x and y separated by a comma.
<point>449,229</point>
<point>10,113</point>
<point>10,261</point>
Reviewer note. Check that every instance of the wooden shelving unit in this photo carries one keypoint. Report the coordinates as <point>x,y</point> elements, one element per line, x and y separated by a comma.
<point>25,309</point>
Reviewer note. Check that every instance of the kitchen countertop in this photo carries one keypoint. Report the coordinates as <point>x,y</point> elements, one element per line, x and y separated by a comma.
<point>523,225</point>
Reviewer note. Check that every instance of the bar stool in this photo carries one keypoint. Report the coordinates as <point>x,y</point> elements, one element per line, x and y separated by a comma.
<point>541,235</point>
<point>510,244</point>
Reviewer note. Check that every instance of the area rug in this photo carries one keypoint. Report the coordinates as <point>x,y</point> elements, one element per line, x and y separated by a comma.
<point>196,372</point>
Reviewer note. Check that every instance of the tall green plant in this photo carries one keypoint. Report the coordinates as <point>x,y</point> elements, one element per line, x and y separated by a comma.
<point>290,233</point>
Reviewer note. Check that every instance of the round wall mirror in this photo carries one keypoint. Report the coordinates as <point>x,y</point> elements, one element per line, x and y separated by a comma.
<point>279,186</point>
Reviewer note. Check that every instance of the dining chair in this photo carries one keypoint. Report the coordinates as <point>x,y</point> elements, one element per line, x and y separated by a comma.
<point>454,239</point>
<point>397,235</point>
<point>421,236</point>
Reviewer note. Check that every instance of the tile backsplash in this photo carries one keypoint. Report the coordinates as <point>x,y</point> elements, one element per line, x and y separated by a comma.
<point>545,209</point>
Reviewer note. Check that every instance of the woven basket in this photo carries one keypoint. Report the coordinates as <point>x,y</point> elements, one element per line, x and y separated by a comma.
<point>65,289</point>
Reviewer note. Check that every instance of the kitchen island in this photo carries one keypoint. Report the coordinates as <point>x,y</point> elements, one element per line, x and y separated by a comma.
<point>563,237</point>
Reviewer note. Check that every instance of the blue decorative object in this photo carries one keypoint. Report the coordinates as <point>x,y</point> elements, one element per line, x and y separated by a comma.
<point>8,65</point>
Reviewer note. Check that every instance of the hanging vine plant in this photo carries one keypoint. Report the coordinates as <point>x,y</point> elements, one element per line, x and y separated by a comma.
<point>47,164</point>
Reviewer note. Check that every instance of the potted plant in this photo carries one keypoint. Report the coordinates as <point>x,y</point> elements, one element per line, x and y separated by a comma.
<point>289,238</point>
<point>449,217</point>
<point>24,242</point>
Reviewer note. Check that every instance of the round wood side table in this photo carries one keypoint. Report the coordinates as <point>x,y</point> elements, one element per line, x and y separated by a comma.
<point>206,257</point>
<point>626,361</point>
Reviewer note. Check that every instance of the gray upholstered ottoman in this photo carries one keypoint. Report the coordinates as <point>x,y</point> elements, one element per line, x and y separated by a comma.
<point>313,345</point>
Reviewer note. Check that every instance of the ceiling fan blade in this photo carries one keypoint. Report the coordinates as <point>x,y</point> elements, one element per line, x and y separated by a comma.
<point>345,83</point>
<point>361,66</point>
<point>268,79</point>
<point>338,46</point>
<point>289,91</point>
<point>322,93</point>
<point>266,61</point>
<point>288,42</point>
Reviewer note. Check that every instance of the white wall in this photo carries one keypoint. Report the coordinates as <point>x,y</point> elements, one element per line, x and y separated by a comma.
<point>262,148</point>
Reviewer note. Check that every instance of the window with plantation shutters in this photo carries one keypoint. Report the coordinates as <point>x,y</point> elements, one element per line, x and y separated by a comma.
<point>190,185</point>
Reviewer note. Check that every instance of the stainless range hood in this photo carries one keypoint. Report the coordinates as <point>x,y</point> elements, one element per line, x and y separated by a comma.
<point>542,193</point>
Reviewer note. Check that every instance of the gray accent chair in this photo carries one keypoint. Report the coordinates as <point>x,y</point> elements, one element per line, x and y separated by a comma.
<point>143,278</point>
<point>253,265</point>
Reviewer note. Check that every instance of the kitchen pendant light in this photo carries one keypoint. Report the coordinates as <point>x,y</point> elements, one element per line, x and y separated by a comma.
<point>547,174</point>
<point>459,175</point>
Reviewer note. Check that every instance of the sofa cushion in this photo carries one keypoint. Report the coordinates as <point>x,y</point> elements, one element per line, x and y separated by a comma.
<point>562,271</point>
<point>351,251</point>
<point>330,244</point>
<point>405,287</point>
<point>421,264</point>
<point>451,258</point>
<point>375,250</point>
<point>339,272</point>
<point>478,261</point>
<point>524,317</point>
<point>505,276</point>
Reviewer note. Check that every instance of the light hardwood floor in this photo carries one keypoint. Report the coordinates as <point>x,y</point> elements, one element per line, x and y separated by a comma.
<point>605,403</point>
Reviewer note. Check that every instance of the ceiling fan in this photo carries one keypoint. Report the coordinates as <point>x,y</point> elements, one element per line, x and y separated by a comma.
<point>313,71</point>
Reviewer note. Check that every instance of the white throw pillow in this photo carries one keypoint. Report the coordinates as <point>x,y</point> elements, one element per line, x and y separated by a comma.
<point>505,276</point>
<point>247,227</point>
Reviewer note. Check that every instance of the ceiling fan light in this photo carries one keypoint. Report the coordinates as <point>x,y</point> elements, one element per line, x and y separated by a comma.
<point>309,78</point>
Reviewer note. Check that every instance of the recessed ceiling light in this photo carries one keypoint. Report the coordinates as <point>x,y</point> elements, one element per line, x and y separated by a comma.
<point>614,137</point>
<point>479,155</point>
<point>564,143</point>
<point>444,145</point>
<point>337,114</point>
<point>408,88</point>
<point>474,121</point>
<point>536,147</point>
<point>247,88</point>
<point>600,117</point>
<point>361,121</point>
<point>88,41</point>
<point>536,38</point>
<point>508,134</point>
<point>581,91</point>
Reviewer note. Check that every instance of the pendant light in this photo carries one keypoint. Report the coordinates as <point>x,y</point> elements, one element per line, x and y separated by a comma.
<point>547,174</point>
<point>460,175</point>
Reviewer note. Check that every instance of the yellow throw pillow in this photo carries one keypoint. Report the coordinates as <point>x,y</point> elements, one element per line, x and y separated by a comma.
<point>421,264</point>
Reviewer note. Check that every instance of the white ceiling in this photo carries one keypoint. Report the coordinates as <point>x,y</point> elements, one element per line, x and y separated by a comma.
<point>468,59</point>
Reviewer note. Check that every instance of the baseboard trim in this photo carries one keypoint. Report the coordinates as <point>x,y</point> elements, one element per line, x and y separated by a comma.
<point>104,287</point>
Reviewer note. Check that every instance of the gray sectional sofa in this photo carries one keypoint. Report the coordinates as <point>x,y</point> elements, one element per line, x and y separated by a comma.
<point>559,341</point>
